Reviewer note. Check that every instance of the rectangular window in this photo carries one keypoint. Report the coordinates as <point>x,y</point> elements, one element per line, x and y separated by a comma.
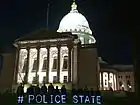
<point>44,79</point>
<point>44,68</point>
<point>65,79</point>
<point>34,80</point>
<point>54,79</point>
<point>34,66</point>
<point>24,66</point>
<point>65,64</point>
<point>54,68</point>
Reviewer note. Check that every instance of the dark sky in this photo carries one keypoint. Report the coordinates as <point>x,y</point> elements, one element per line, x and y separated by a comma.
<point>108,20</point>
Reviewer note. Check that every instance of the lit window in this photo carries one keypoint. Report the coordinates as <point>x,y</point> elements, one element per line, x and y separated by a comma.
<point>65,79</point>
<point>34,65</point>
<point>24,66</point>
<point>34,80</point>
<point>54,79</point>
<point>54,69</point>
<point>44,68</point>
<point>65,63</point>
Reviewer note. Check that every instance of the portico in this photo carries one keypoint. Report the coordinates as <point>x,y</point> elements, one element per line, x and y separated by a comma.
<point>45,61</point>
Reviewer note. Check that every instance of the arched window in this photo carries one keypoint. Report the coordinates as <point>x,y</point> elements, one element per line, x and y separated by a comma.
<point>34,65</point>
<point>54,68</point>
<point>65,63</point>
<point>44,68</point>
<point>24,66</point>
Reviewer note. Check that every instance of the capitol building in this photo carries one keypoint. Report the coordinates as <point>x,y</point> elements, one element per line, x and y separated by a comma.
<point>67,56</point>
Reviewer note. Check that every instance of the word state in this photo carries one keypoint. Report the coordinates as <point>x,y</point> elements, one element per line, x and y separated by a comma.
<point>86,99</point>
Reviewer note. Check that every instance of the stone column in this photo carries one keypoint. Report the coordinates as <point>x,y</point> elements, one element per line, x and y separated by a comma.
<point>69,63</point>
<point>27,70</point>
<point>38,63</point>
<point>58,64</point>
<point>16,66</point>
<point>48,64</point>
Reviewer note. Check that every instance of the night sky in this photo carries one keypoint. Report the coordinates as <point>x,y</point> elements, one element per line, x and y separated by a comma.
<point>108,20</point>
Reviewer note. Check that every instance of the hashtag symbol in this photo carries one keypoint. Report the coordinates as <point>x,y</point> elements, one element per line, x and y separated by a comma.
<point>20,100</point>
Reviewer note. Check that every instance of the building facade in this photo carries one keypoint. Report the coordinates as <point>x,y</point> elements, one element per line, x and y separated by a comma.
<point>118,77</point>
<point>67,56</point>
<point>59,58</point>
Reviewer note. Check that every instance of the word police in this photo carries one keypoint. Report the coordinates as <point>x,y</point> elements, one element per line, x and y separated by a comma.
<point>44,99</point>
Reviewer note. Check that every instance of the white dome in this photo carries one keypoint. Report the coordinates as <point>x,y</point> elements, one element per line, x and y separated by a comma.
<point>74,21</point>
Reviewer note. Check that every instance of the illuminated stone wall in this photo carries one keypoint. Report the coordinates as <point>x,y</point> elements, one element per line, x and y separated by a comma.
<point>127,80</point>
<point>123,81</point>
<point>41,73</point>
<point>22,57</point>
<point>107,80</point>
<point>88,73</point>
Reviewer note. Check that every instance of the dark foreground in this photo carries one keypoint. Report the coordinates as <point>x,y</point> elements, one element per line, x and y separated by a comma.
<point>107,99</point>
